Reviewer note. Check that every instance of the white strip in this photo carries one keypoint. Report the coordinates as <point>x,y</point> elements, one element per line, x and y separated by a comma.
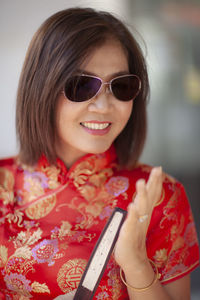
<point>98,260</point>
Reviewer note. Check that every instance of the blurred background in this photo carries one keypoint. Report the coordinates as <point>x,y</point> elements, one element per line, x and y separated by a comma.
<point>169,34</point>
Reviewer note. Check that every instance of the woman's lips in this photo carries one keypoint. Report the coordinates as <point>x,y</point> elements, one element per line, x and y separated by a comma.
<point>96,127</point>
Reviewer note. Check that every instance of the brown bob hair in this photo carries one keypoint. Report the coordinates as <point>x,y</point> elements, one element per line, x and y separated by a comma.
<point>57,50</point>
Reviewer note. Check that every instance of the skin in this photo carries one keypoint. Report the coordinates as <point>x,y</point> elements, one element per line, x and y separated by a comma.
<point>130,250</point>
<point>73,141</point>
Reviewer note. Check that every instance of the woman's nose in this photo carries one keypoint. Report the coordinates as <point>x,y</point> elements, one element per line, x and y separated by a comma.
<point>102,102</point>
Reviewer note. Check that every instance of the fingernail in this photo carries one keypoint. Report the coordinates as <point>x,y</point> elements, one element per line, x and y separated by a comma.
<point>158,170</point>
<point>140,182</point>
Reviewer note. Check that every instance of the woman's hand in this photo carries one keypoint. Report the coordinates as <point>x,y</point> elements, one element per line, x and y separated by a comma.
<point>130,249</point>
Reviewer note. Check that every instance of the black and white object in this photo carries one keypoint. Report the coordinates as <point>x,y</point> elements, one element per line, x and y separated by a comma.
<point>100,256</point>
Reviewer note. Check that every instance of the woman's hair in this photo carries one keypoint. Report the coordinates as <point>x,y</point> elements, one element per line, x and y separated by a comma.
<point>56,52</point>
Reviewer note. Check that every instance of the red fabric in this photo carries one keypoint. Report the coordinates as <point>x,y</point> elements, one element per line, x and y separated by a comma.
<point>51,218</point>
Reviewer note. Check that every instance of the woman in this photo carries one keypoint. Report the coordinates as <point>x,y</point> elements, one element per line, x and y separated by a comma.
<point>81,124</point>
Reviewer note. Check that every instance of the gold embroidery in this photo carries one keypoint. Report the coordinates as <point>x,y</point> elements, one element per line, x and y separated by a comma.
<point>168,209</point>
<point>23,252</point>
<point>18,284</point>
<point>27,238</point>
<point>162,197</point>
<point>40,288</point>
<point>52,173</point>
<point>176,230</point>
<point>86,171</point>
<point>3,255</point>
<point>90,211</point>
<point>6,179</point>
<point>167,278</point>
<point>35,188</point>
<point>16,217</point>
<point>41,208</point>
<point>20,262</point>
<point>169,179</point>
<point>91,185</point>
<point>70,274</point>
<point>65,229</point>
<point>125,196</point>
<point>88,192</point>
<point>94,209</point>
<point>99,179</point>
<point>81,173</point>
<point>161,257</point>
<point>116,290</point>
<point>114,283</point>
<point>24,166</point>
<point>6,186</point>
<point>7,196</point>
<point>17,297</point>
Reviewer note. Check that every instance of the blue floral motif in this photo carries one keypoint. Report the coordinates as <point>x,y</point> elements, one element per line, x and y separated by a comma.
<point>79,219</point>
<point>30,224</point>
<point>102,296</point>
<point>35,176</point>
<point>19,199</point>
<point>106,212</point>
<point>189,235</point>
<point>175,270</point>
<point>78,235</point>
<point>55,230</point>
<point>18,283</point>
<point>45,251</point>
<point>117,185</point>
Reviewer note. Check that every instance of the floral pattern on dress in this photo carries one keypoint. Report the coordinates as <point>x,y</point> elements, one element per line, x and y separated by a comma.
<point>117,185</point>
<point>45,251</point>
<point>51,219</point>
<point>18,283</point>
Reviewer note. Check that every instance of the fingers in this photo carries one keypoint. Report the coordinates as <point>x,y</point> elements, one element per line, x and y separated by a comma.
<point>138,207</point>
<point>132,237</point>
<point>141,196</point>
<point>147,194</point>
<point>154,175</point>
<point>154,185</point>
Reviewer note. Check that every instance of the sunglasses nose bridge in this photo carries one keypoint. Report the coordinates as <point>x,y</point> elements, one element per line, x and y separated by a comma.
<point>107,87</point>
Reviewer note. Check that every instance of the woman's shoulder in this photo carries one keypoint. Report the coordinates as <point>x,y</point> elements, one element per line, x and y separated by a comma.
<point>7,161</point>
<point>7,170</point>
<point>7,183</point>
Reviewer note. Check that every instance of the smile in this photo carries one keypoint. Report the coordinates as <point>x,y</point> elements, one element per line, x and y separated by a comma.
<point>95,126</point>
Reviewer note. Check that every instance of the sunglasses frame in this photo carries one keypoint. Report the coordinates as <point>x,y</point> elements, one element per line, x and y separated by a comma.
<point>108,83</point>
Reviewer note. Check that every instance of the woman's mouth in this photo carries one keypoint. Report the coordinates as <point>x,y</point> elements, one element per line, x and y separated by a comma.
<point>96,128</point>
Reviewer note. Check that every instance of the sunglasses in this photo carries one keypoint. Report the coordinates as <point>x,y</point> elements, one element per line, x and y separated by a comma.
<point>81,88</point>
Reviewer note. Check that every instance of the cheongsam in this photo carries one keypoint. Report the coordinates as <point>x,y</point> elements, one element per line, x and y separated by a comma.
<point>51,218</point>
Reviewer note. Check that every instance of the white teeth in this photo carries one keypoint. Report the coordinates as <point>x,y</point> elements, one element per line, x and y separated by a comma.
<point>96,126</point>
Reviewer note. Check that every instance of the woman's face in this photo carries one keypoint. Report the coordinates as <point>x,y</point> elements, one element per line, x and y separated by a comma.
<point>80,125</point>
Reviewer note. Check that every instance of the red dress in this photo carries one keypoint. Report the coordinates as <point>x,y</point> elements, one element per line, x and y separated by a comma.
<point>51,218</point>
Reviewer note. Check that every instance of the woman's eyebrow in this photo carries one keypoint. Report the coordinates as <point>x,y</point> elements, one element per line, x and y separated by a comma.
<point>82,71</point>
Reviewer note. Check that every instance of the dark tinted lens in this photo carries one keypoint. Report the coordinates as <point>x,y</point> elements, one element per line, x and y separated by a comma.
<point>126,88</point>
<point>82,88</point>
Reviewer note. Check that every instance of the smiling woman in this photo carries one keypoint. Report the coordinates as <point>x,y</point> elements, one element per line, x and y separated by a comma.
<point>81,124</point>
<point>92,126</point>
<point>57,53</point>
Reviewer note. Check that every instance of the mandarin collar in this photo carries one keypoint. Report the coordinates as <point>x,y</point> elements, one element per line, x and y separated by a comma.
<point>89,163</point>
